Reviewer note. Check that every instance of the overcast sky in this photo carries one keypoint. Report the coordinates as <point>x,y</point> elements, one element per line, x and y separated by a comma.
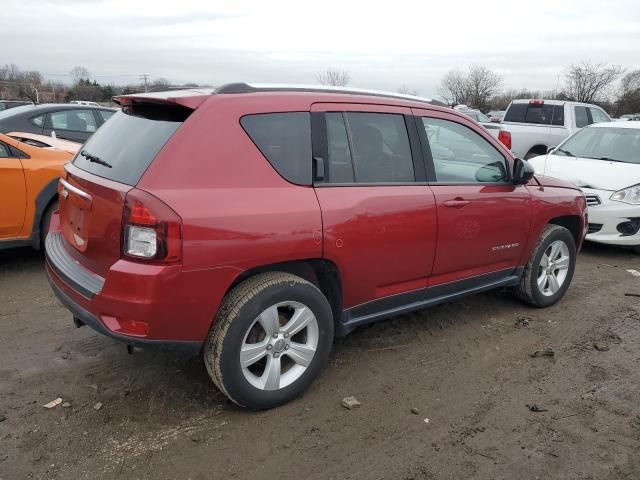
<point>382,45</point>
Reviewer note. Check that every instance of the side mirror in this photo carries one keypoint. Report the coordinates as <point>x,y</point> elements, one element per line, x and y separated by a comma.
<point>551,149</point>
<point>522,172</point>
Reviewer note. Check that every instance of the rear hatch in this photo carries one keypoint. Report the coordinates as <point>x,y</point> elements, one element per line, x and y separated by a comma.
<point>94,187</point>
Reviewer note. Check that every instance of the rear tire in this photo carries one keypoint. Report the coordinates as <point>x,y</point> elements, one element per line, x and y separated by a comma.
<point>46,222</point>
<point>271,337</point>
<point>548,273</point>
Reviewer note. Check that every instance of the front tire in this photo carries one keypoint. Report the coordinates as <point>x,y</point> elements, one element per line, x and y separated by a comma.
<point>271,337</point>
<point>550,269</point>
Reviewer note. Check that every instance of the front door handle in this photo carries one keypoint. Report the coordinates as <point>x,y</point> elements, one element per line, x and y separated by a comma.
<point>456,203</point>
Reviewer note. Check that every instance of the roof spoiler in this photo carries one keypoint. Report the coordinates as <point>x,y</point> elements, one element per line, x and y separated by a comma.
<point>191,99</point>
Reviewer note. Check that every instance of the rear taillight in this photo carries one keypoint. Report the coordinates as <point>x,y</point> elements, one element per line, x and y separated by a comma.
<point>152,232</point>
<point>505,138</point>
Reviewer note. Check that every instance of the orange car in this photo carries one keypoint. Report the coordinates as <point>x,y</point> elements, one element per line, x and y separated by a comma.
<point>30,166</point>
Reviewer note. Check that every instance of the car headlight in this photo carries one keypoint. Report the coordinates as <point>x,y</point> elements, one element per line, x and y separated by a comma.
<point>629,195</point>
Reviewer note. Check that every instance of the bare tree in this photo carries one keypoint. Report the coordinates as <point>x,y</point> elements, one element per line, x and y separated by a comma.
<point>159,84</point>
<point>453,87</point>
<point>628,97</point>
<point>404,90</point>
<point>473,89</point>
<point>590,82</point>
<point>482,84</point>
<point>79,73</point>
<point>334,77</point>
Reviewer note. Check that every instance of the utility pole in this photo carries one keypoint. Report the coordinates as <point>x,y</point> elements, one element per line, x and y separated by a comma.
<point>145,77</point>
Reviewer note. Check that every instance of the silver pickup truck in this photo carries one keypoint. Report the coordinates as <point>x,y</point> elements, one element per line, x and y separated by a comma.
<point>536,125</point>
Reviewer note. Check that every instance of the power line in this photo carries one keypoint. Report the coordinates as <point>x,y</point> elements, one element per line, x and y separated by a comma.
<point>109,75</point>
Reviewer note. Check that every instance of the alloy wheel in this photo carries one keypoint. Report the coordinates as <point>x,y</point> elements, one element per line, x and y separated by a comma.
<point>279,345</point>
<point>553,268</point>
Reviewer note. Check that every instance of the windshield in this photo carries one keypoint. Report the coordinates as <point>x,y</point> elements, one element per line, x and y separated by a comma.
<point>615,144</point>
<point>124,147</point>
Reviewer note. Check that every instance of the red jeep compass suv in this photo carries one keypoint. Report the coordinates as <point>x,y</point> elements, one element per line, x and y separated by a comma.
<point>257,222</point>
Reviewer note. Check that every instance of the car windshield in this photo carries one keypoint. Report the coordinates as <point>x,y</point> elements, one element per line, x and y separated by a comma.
<point>477,116</point>
<point>482,117</point>
<point>15,110</point>
<point>610,143</point>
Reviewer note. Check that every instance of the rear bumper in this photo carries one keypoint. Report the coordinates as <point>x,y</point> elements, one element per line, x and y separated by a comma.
<point>94,322</point>
<point>141,304</point>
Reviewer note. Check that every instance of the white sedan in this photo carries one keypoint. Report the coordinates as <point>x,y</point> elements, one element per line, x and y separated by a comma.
<point>604,161</point>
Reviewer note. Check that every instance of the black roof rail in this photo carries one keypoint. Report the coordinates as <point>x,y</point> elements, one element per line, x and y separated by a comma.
<point>241,87</point>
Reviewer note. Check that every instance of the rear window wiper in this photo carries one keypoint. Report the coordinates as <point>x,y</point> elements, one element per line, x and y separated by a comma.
<point>566,152</point>
<point>95,159</point>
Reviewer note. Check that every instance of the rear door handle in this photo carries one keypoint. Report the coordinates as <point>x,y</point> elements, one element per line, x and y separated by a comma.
<point>456,203</point>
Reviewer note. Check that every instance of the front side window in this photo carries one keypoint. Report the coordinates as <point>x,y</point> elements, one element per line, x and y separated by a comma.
<point>598,116</point>
<point>461,155</point>
<point>74,120</point>
<point>582,117</point>
<point>380,148</point>
<point>285,141</point>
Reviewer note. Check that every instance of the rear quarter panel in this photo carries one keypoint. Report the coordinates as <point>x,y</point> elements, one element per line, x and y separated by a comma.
<point>237,211</point>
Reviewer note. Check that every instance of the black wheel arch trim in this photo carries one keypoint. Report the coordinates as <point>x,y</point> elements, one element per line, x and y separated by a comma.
<point>48,194</point>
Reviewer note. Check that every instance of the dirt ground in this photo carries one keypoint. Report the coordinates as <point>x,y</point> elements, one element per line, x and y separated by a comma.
<point>465,366</point>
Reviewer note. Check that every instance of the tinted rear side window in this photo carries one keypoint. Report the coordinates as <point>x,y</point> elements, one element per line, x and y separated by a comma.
<point>285,141</point>
<point>130,141</point>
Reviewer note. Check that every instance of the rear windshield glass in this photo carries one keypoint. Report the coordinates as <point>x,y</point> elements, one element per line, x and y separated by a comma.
<point>124,147</point>
<point>539,114</point>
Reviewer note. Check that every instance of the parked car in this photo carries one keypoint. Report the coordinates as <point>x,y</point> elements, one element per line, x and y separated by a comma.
<point>496,116</point>
<point>41,141</point>
<point>28,187</point>
<point>628,117</point>
<point>530,127</point>
<point>85,102</point>
<point>257,222</point>
<point>483,120</point>
<point>7,104</point>
<point>66,121</point>
<point>604,160</point>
